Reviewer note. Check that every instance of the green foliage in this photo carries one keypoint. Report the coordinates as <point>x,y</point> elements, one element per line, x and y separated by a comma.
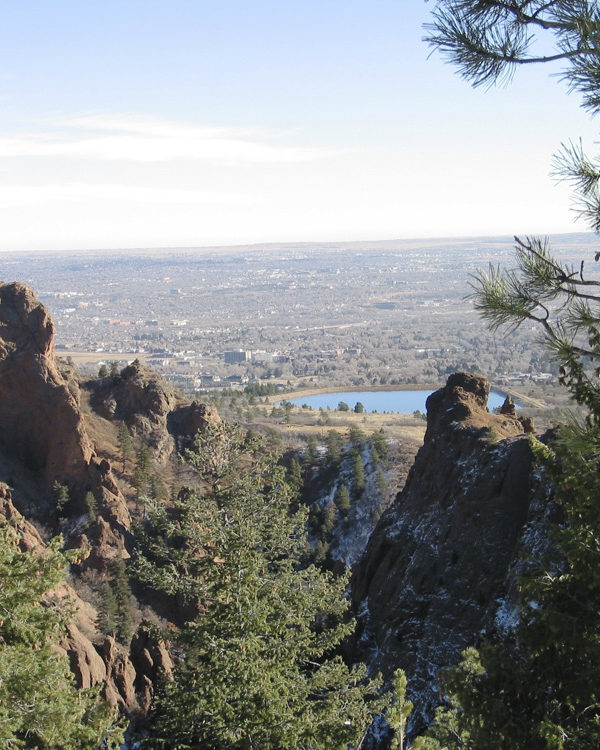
<point>491,435</point>
<point>359,408</point>
<point>343,406</point>
<point>288,408</point>
<point>260,669</point>
<point>108,614</point>
<point>103,371</point>
<point>398,712</point>
<point>123,623</point>
<point>342,499</point>
<point>542,691</point>
<point>115,615</point>
<point>334,444</point>
<point>378,442</point>
<point>329,517</point>
<point>60,497</point>
<point>157,489</point>
<point>40,706</point>
<point>561,301</point>
<point>294,474</point>
<point>142,470</point>
<point>91,506</point>
<point>114,369</point>
<point>380,480</point>
<point>311,454</point>
<point>487,41</point>
<point>376,513</point>
<point>358,478</point>
<point>356,436</point>
<point>125,443</point>
<point>321,551</point>
<point>262,389</point>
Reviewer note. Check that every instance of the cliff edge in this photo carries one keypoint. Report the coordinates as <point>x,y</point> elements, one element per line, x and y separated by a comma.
<point>437,563</point>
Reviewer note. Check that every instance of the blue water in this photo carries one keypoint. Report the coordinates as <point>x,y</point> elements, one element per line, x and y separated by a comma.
<point>401,402</point>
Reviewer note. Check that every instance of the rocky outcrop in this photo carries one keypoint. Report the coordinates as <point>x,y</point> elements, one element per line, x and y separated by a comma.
<point>42,426</point>
<point>150,407</point>
<point>185,421</point>
<point>141,399</point>
<point>438,562</point>
<point>127,675</point>
<point>152,661</point>
<point>29,537</point>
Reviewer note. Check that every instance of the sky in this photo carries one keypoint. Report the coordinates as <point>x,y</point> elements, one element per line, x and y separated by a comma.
<point>191,123</point>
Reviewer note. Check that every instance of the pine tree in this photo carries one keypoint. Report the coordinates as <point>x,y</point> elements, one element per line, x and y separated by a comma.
<point>122,591</point>
<point>379,443</point>
<point>329,517</point>
<point>260,669</point>
<point>321,550</point>
<point>311,455</point>
<point>125,443</point>
<point>397,714</point>
<point>380,479</point>
<point>334,449</point>
<point>60,497</point>
<point>91,506</point>
<point>108,615</point>
<point>356,436</point>
<point>294,474</point>
<point>342,500</point>
<point>142,470</point>
<point>157,488</point>
<point>541,691</point>
<point>39,704</point>
<point>115,616</point>
<point>358,480</point>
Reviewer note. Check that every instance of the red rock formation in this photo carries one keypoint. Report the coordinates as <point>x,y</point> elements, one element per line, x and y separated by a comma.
<point>41,422</point>
<point>42,425</point>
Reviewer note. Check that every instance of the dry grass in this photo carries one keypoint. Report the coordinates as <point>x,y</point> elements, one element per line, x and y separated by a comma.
<point>305,422</point>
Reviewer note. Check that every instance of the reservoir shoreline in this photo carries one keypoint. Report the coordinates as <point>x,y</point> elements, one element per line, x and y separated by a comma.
<point>518,397</point>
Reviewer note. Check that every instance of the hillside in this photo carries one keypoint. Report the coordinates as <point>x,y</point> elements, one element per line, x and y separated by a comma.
<point>436,573</point>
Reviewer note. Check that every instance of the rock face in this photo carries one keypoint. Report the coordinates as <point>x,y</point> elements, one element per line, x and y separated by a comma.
<point>150,408</point>
<point>185,421</point>
<point>42,425</point>
<point>437,563</point>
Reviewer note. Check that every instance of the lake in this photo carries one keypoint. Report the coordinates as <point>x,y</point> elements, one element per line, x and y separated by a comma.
<point>401,402</point>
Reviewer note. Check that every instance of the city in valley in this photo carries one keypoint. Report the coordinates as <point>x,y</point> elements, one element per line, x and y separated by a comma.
<point>306,315</point>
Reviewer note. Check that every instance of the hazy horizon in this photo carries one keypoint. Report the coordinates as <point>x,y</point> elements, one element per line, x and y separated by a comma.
<point>365,244</point>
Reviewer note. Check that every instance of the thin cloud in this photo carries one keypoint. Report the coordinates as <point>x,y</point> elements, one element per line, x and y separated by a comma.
<point>22,195</point>
<point>146,140</point>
